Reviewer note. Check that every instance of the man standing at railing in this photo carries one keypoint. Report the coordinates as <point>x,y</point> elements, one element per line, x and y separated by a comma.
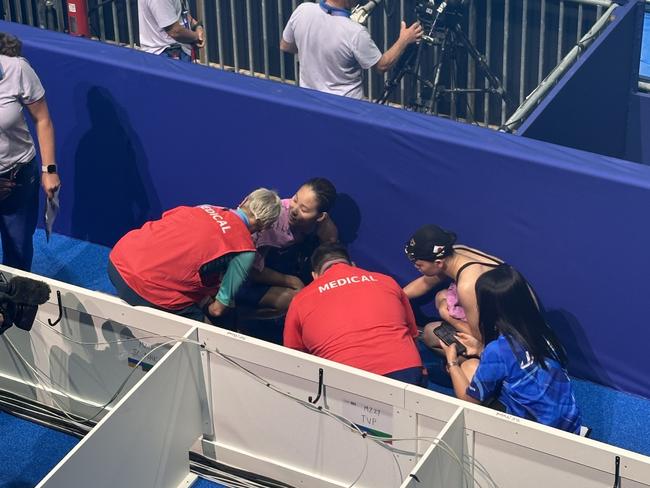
<point>167,28</point>
<point>333,50</point>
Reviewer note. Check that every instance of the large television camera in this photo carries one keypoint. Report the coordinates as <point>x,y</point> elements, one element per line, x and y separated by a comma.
<point>431,13</point>
<point>19,301</point>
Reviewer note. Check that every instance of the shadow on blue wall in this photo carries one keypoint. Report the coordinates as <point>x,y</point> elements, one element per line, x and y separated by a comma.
<point>575,338</point>
<point>347,216</point>
<point>111,180</point>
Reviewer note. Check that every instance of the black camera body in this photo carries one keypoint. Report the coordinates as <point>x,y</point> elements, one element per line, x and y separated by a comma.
<point>19,301</point>
<point>426,11</point>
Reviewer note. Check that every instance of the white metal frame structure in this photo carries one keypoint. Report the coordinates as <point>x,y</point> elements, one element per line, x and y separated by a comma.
<point>245,403</point>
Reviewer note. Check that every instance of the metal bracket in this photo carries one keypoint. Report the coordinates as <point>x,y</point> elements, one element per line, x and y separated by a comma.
<point>617,473</point>
<point>320,387</point>
<point>58,319</point>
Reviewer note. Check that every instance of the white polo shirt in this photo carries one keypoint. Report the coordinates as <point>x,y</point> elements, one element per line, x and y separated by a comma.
<point>332,50</point>
<point>19,86</point>
<point>153,17</point>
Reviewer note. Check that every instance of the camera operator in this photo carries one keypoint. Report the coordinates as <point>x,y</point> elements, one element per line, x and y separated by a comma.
<point>332,49</point>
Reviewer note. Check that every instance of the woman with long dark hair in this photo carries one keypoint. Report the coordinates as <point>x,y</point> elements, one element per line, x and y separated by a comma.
<point>20,174</point>
<point>521,369</point>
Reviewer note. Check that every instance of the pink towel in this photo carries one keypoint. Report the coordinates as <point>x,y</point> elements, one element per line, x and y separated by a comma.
<point>453,307</point>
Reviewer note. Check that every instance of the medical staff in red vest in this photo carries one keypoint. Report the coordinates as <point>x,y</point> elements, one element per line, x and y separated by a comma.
<point>355,317</point>
<point>193,260</point>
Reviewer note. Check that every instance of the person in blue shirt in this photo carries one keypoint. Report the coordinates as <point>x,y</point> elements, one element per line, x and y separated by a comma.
<point>521,369</point>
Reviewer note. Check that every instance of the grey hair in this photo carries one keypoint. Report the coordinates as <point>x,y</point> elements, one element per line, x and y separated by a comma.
<point>10,45</point>
<point>264,205</point>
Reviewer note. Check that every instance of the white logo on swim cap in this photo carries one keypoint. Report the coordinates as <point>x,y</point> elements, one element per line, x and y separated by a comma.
<point>438,249</point>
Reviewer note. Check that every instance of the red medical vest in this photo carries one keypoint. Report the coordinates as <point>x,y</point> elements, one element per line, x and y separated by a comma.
<point>161,260</point>
<point>355,317</point>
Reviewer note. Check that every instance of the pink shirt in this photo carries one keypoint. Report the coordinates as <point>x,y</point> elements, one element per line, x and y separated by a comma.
<point>278,235</point>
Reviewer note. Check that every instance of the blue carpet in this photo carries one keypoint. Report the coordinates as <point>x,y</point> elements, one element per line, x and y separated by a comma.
<point>28,451</point>
<point>72,261</point>
<point>616,418</point>
<point>202,483</point>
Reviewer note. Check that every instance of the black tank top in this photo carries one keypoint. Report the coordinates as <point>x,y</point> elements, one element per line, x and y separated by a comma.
<point>494,264</point>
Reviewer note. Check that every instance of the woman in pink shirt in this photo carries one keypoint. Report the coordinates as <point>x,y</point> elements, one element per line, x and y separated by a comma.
<point>286,246</point>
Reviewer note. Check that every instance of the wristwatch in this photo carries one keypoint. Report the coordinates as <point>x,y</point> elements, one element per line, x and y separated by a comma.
<point>451,363</point>
<point>49,168</point>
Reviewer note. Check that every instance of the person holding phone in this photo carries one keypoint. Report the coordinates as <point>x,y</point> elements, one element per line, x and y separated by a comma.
<point>521,369</point>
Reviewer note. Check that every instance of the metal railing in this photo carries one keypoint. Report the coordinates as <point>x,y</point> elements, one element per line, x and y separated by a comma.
<point>46,14</point>
<point>523,41</point>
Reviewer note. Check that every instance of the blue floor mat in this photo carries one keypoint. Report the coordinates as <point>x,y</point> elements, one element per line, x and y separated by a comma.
<point>29,451</point>
<point>203,483</point>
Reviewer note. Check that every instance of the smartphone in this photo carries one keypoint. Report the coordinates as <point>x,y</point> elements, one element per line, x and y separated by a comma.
<point>446,333</point>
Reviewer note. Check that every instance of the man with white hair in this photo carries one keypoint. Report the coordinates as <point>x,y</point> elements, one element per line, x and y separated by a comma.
<point>193,260</point>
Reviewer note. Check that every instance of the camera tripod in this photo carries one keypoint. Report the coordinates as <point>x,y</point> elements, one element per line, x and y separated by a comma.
<point>430,92</point>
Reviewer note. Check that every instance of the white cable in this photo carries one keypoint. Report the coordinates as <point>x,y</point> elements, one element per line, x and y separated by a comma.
<point>446,448</point>
<point>35,372</point>
<point>104,343</point>
<point>381,441</point>
<point>101,408</point>
<point>449,450</point>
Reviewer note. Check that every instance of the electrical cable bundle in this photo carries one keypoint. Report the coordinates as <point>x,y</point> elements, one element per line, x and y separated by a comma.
<point>229,476</point>
<point>45,415</point>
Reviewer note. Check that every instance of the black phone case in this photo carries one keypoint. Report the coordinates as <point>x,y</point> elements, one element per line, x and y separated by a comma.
<point>445,332</point>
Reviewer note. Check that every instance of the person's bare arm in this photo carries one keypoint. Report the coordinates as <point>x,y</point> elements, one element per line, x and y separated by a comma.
<point>45,135</point>
<point>272,277</point>
<point>467,299</point>
<point>200,31</point>
<point>407,35</point>
<point>186,36</point>
<point>288,47</point>
<point>459,378</point>
<point>420,286</point>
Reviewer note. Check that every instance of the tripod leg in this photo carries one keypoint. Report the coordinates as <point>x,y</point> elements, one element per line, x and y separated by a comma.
<point>404,66</point>
<point>495,83</point>
<point>431,107</point>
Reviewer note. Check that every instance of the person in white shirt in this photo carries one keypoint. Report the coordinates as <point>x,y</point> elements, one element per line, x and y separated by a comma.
<point>167,28</point>
<point>333,50</point>
<point>21,91</point>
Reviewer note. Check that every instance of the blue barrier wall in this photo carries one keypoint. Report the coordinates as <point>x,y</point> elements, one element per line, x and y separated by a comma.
<point>137,134</point>
<point>588,108</point>
<point>638,142</point>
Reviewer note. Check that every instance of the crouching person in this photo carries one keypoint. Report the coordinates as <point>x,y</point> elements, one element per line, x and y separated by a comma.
<point>193,260</point>
<point>521,369</point>
<point>354,317</point>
